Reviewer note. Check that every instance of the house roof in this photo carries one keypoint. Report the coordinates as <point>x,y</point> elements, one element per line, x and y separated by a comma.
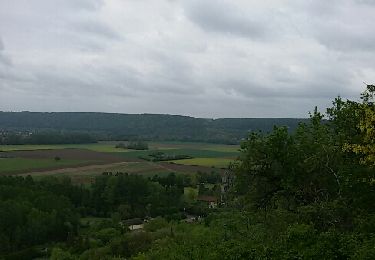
<point>133,221</point>
<point>207,198</point>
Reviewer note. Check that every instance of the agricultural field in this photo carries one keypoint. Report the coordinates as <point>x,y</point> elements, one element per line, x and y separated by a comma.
<point>16,165</point>
<point>83,161</point>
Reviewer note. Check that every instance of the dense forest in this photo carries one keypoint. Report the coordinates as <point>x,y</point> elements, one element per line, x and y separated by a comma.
<point>107,126</point>
<point>38,214</point>
<point>306,194</point>
<point>44,137</point>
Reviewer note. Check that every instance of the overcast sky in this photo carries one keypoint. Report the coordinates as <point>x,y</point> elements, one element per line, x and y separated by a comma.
<point>205,58</point>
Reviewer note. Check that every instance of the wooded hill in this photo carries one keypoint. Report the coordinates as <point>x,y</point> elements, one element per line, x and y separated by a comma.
<point>144,126</point>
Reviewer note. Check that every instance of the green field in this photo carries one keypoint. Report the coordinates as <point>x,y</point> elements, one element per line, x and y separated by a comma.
<point>13,165</point>
<point>208,162</point>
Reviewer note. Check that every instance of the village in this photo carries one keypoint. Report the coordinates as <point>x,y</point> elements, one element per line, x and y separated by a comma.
<point>204,196</point>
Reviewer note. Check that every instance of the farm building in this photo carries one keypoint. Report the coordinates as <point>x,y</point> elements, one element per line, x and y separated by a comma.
<point>211,201</point>
<point>134,224</point>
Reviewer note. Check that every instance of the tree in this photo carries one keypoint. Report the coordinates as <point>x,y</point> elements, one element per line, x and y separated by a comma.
<point>59,254</point>
<point>366,126</point>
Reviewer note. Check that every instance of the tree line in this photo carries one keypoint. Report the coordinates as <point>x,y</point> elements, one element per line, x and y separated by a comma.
<point>44,137</point>
<point>109,126</point>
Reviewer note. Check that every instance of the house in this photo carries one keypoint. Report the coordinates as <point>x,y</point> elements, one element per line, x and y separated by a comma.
<point>211,201</point>
<point>133,224</point>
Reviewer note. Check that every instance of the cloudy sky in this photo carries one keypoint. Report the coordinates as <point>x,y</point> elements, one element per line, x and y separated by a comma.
<point>211,58</point>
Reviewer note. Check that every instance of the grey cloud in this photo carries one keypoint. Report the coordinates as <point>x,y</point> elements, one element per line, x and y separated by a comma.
<point>347,39</point>
<point>340,25</point>
<point>219,16</point>
<point>200,58</point>
<point>365,2</point>
<point>95,28</point>
<point>6,61</point>
<point>6,70</point>
<point>60,5</point>
<point>259,90</point>
<point>85,4</point>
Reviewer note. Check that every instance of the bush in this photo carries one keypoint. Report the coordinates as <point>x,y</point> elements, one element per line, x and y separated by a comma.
<point>155,224</point>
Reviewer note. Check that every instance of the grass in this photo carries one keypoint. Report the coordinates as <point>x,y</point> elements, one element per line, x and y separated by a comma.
<point>13,165</point>
<point>208,162</point>
<point>98,147</point>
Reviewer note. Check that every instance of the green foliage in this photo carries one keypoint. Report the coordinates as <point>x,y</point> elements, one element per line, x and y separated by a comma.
<point>134,196</point>
<point>59,254</point>
<point>366,125</point>
<point>44,137</point>
<point>137,145</point>
<point>301,195</point>
<point>34,213</point>
<point>155,224</point>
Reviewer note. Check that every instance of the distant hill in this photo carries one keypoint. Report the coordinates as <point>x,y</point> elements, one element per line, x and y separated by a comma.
<point>111,126</point>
